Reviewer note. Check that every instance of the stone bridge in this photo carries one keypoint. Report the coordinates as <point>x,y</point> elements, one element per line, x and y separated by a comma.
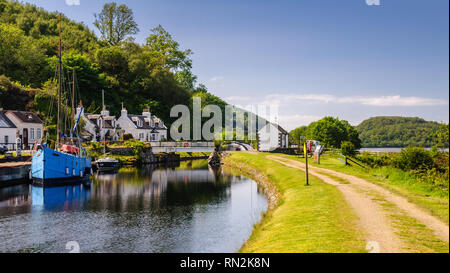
<point>182,147</point>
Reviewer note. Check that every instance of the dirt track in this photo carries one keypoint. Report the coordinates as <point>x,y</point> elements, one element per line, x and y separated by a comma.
<point>373,219</point>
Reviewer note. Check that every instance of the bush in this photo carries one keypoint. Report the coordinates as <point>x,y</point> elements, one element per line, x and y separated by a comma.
<point>348,148</point>
<point>376,160</point>
<point>414,158</point>
<point>127,136</point>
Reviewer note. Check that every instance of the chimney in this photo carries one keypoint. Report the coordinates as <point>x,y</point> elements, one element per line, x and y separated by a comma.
<point>147,113</point>
<point>124,111</point>
<point>105,112</point>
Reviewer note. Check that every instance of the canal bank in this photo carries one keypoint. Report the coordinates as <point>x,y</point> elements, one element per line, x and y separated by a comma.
<point>14,173</point>
<point>137,156</point>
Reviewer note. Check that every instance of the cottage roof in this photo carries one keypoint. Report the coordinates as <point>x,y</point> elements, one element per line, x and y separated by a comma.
<point>94,117</point>
<point>5,122</point>
<point>145,123</point>
<point>26,117</point>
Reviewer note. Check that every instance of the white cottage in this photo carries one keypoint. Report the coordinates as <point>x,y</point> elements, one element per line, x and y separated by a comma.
<point>272,137</point>
<point>8,132</point>
<point>97,126</point>
<point>30,127</point>
<point>143,127</point>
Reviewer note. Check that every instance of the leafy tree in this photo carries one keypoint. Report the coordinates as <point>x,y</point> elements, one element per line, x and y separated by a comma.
<point>115,23</point>
<point>186,79</point>
<point>164,48</point>
<point>294,135</point>
<point>441,136</point>
<point>202,88</point>
<point>20,58</point>
<point>330,131</point>
<point>347,148</point>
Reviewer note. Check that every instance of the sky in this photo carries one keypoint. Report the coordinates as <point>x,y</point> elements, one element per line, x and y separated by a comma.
<point>310,58</point>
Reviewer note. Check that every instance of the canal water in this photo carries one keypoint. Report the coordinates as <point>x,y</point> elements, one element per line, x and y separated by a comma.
<point>182,209</point>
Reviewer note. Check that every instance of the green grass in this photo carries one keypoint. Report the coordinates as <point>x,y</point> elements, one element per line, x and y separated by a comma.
<point>435,201</point>
<point>184,155</point>
<point>313,219</point>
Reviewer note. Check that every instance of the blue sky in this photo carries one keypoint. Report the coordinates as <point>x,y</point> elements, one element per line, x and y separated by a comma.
<point>311,58</point>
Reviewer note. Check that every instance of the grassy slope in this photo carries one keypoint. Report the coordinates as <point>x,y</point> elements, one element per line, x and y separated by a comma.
<point>306,219</point>
<point>395,180</point>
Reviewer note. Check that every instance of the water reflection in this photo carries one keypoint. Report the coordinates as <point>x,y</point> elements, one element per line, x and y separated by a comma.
<point>184,208</point>
<point>60,198</point>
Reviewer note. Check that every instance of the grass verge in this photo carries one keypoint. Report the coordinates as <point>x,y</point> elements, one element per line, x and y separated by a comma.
<point>313,219</point>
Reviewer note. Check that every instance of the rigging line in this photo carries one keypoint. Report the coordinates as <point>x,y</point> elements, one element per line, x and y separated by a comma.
<point>50,106</point>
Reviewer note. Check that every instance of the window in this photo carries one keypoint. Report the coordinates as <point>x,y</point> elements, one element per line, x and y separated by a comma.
<point>6,140</point>
<point>39,134</point>
<point>141,136</point>
<point>32,133</point>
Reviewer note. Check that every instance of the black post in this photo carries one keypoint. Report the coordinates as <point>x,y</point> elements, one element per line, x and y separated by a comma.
<point>306,161</point>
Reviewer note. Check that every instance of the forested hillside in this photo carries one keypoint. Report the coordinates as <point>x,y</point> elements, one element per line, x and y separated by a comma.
<point>156,74</point>
<point>397,132</point>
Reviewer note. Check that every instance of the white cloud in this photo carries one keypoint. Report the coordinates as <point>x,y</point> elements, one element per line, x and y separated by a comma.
<point>381,101</point>
<point>238,99</point>
<point>290,122</point>
<point>395,101</point>
<point>301,109</point>
<point>217,78</point>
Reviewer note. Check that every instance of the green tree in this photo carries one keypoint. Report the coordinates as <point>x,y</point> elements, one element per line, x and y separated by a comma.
<point>165,51</point>
<point>329,131</point>
<point>186,79</point>
<point>294,135</point>
<point>441,136</point>
<point>20,58</point>
<point>347,148</point>
<point>115,23</point>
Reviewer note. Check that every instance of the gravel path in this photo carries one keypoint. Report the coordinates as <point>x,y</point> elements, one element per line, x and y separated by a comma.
<point>373,220</point>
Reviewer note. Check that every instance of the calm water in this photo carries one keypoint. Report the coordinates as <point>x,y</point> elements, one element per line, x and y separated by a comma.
<point>389,150</point>
<point>157,210</point>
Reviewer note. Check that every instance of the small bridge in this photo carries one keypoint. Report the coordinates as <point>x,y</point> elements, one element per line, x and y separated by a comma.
<point>182,147</point>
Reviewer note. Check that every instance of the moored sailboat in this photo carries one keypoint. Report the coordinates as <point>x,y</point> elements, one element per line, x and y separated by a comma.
<point>68,163</point>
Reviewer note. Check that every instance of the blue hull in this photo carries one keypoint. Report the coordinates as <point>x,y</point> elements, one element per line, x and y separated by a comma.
<point>53,168</point>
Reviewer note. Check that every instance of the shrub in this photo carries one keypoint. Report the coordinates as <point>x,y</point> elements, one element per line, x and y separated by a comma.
<point>376,160</point>
<point>348,148</point>
<point>127,136</point>
<point>414,158</point>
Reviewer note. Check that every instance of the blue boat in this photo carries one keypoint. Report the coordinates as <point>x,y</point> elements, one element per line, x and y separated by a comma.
<point>68,163</point>
<point>56,168</point>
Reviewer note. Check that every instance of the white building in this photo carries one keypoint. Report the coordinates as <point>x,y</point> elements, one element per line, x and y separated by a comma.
<point>272,137</point>
<point>98,126</point>
<point>29,127</point>
<point>143,127</point>
<point>8,132</point>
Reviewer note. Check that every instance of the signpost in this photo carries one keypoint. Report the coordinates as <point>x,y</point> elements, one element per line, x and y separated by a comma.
<point>305,149</point>
<point>306,162</point>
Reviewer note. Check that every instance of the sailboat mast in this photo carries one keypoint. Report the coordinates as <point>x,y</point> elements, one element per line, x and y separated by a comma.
<point>103,120</point>
<point>73,98</point>
<point>58,132</point>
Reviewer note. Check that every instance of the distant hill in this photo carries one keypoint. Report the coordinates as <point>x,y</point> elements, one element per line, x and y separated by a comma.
<point>396,132</point>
